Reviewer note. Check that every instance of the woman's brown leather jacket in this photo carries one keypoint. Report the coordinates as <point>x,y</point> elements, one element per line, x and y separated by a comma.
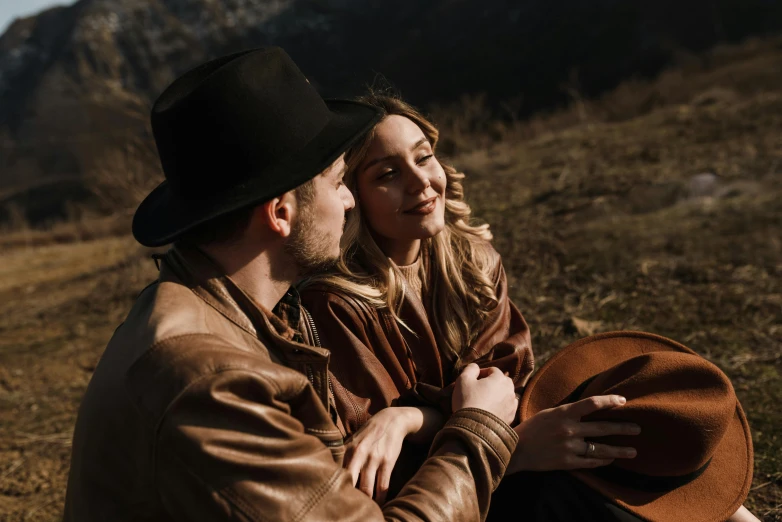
<point>376,363</point>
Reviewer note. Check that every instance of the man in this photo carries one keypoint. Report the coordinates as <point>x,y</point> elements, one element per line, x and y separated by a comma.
<point>206,405</point>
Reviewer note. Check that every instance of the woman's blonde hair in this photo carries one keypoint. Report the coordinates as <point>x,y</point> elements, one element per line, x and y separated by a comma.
<point>459,261</point>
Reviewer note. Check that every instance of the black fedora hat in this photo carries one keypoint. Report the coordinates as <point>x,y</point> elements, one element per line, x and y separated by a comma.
<point>237,131</point>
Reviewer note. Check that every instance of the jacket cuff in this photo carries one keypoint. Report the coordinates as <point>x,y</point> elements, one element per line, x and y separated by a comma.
<point>422,394</point>
<point>490,428</point>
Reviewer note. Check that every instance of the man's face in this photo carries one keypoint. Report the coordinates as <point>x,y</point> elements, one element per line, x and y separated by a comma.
<point>314,240</point>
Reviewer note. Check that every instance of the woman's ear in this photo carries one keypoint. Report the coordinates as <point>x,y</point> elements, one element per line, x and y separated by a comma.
<point>278,213</point>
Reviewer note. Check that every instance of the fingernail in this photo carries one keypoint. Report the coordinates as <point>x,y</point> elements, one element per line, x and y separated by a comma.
<point>622,400</point>
<point>630,454</point>
<point>635,430</point>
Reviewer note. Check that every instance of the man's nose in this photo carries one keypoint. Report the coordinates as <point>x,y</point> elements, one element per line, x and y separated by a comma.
<point>347,198</point>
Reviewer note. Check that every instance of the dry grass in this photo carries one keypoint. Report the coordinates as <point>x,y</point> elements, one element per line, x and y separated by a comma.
<point>59,305</point>
<point>22,235</point>
<point>605,226</point>
<point>599,225</point>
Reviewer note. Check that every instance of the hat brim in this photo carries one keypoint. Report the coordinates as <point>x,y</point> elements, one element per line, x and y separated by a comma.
<point>715,495</point>
<point>162,217</point>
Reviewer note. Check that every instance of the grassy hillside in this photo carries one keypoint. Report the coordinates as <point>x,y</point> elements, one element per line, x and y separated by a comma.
<point>658,208</point>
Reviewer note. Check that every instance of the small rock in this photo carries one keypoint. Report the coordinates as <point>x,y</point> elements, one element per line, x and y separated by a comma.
<point>702,185</point>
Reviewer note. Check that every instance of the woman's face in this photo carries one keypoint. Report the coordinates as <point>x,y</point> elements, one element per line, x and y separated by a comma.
<point>400,184</point>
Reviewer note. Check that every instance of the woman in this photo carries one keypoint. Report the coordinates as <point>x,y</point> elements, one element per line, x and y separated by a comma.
<point>417,294</point>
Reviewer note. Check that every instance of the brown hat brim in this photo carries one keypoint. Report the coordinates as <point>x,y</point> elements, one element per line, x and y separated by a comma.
<point>714,495</point>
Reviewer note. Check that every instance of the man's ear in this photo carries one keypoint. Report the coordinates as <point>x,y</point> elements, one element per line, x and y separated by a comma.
<point>278,214</point>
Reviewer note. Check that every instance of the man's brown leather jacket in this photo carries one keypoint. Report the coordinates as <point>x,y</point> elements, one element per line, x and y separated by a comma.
<point>205,407</point>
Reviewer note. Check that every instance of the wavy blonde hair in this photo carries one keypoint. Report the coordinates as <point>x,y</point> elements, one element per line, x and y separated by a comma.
<point>459,261</point>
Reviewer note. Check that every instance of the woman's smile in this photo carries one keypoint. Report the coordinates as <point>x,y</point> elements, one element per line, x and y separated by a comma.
<point>401,185</point>
<point>424,208</point>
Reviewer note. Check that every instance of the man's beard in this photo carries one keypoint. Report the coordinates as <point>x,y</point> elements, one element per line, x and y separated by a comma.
<point>309,248</point>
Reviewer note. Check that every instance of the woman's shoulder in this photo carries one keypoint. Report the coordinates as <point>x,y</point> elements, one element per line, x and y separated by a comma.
<point>322,291</point>
<point>320,295</point>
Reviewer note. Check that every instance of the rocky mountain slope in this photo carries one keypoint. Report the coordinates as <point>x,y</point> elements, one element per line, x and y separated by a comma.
<point>76,82</point>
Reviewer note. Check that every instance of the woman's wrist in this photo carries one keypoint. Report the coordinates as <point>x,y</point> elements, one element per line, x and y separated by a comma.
<point>428,421</point>
<point>411,419</point>
<point>519,460</point>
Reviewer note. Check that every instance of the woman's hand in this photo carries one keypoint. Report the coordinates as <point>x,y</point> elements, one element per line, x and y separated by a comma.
<point>372,452</point>
<point>553,439</point>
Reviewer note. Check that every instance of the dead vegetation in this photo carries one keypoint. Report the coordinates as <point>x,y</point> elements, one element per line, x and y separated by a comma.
<point>654,208</point>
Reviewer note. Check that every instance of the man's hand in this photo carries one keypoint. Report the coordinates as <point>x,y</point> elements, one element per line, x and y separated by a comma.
<point>486,389</point>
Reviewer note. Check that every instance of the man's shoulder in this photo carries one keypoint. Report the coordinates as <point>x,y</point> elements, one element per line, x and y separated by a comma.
<point>169,310</point>
<point>172,340</point>
<point>166,370</point>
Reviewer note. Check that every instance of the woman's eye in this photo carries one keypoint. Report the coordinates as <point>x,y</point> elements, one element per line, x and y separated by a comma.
<point>388,174</point>
<point>425,159</point>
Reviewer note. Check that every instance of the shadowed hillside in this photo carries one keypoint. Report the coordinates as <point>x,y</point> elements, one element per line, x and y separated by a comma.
<point>76,83</point>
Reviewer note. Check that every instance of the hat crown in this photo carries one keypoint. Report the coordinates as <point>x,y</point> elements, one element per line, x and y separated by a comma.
<point>683,403</point>
<point>226,121</point>
<point>236,132</point>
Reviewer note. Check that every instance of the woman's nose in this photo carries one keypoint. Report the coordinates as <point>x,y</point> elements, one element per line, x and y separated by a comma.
<point>417,180</point>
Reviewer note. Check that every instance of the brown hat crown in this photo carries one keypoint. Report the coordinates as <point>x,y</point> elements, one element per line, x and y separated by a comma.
<point>694,452</point>
<point>683,403</point>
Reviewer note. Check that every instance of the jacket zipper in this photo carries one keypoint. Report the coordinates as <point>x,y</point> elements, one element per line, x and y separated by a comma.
<point>315,336</point>
<point>316,340</point>
<point>311,376</point>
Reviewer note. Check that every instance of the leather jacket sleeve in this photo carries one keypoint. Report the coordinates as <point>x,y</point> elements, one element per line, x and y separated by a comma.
<point>230,447</point>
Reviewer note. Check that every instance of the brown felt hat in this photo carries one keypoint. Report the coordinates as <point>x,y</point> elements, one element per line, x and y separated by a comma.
<point>694,459</point>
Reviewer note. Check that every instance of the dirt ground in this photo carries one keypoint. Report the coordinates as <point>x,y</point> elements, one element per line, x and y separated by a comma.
<point>668,220</point>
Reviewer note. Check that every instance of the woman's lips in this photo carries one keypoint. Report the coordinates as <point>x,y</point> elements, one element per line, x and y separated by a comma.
<point>423,208</point>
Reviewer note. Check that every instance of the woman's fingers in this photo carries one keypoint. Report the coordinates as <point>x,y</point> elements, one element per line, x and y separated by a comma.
<point>593,404</point>
<point>602,429</point>
<point>353,465</point>
<point>383,481</point>
<point>581,463</point>
<point>604,451</point>
<point>366,481</point>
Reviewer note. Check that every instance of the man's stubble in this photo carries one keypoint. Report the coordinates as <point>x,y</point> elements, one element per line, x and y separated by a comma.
<point>309,248</point>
